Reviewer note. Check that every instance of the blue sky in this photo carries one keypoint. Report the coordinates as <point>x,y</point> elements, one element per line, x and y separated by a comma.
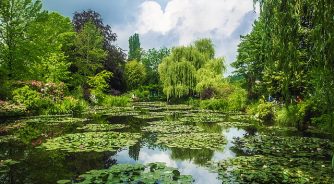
<point>171,22</point>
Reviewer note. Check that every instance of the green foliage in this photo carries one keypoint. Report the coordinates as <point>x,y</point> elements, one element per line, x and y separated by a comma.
<point>99,84</point>
<point>191,69</point>
<point>133,174</point>
<point>206,47</point>
<point>91,141</point>
<point>193,140</point>
<point>151,59</point>
<point>237,100</point>
<point>48,61</point>
<point>15,18</point>
<point>30,98</point>
<point>214,104</point>
<point>135,74</point>
<point>116,101</point>
<point>266,112</point>
<point>68,105</point>
<point>134,48</point>
<point>89,44</point>
<point>11,110</point>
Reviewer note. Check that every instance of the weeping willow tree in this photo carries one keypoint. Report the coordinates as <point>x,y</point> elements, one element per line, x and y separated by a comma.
<point>189,69</point>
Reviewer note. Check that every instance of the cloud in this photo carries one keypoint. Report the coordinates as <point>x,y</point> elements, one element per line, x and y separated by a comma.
<point>221,20</point>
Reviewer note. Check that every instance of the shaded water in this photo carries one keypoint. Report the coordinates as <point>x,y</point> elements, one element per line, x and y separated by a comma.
<point>36,165</point>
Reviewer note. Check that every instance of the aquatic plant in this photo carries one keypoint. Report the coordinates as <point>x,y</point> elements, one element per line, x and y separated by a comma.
<point>102,127</point>
<point>275,170</point>
<point>211,141</point>
<point>134,174</point>
<point>279,146</point>
<point>91,141</point>
<point>172,129</point>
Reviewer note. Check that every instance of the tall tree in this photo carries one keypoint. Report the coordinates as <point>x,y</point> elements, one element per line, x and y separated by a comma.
<point>89,44</point>
<point>182,72</point>
<point>15,17</point>
<point>115,59</point>
<point>135,74</point>
<point>151,59</point>
<point>45,49</point>
<point>134,48</point>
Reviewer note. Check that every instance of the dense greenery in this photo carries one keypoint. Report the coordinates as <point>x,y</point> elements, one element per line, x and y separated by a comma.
<point>288,56</point>
<point>278,104</point>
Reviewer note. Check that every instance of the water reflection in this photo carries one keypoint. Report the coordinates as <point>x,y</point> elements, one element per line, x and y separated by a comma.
<point>189,167</point>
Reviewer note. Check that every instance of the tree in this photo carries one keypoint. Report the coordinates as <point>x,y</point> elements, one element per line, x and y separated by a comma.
<point>15,17</point>
<point>134,48</point>
<point>151,59</point>
<point>115,60</point>
<point>89,44</point>
<point>135,74</point>
<point>189,70</point>
<point>49,62</point>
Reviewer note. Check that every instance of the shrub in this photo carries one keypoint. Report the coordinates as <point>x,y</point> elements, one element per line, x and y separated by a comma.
<point>266,112</point>
<point>31,99</point>
<point>214,104</point>
<point>237,100</point>
<point>116,101</point>
<point>99,84</point>
<point>9,109</point>
<point>69,105</point>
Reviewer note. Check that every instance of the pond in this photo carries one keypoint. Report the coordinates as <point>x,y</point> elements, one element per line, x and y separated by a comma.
<point>159,143</point>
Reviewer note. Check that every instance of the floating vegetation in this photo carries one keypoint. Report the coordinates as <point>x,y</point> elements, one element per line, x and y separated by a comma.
<point>172,129</point>
<point>91,141</point>
<point>234,124</point>
<point>202,119</point>
<point>280,146</point>
<point>102,127</point>
<point>134,174</point>
<point>12,126</point>
<point>54,120</point>
<point>148,116</point>
<point>269,169</point>
<point>165,123</point>
<point>5,164</point>
<point>211,141</point>
<point>8,138</point>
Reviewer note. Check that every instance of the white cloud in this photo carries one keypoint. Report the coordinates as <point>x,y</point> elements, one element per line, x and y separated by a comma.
<point>221,20</point>
<point>193,18</point>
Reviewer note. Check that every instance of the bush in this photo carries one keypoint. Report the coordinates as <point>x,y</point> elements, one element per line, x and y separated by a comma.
<point>214,104</point>
<point>31,99</point>
<point>266,112</point>
<point>237,100</point>
<point>9,109</point>
<point>68,105</point>
<point>116,101</point>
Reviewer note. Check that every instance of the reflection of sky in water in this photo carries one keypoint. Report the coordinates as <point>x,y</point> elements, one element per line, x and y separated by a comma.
<point>146,155</point>
<point>187,167</point>
<point>229,133</point>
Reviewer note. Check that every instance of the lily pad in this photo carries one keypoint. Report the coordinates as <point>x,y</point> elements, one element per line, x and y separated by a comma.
<point>102,127</point>
<point>135,174</point>
<point>212,141</point>
<point>172,129</point>
<point>234,124</point>
<point>275,170</point>
<point>91,141</point>
<point>279,146</point>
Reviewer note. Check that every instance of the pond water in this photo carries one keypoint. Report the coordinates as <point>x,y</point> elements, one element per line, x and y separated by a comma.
<point>196,143</point>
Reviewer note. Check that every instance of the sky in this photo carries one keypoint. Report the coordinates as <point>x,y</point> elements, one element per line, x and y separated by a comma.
<point>170,23</point>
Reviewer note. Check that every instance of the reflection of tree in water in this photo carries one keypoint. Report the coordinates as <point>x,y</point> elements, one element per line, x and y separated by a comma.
<point>210,127</point>
<point>134,151</point>
<point>198,156</point>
